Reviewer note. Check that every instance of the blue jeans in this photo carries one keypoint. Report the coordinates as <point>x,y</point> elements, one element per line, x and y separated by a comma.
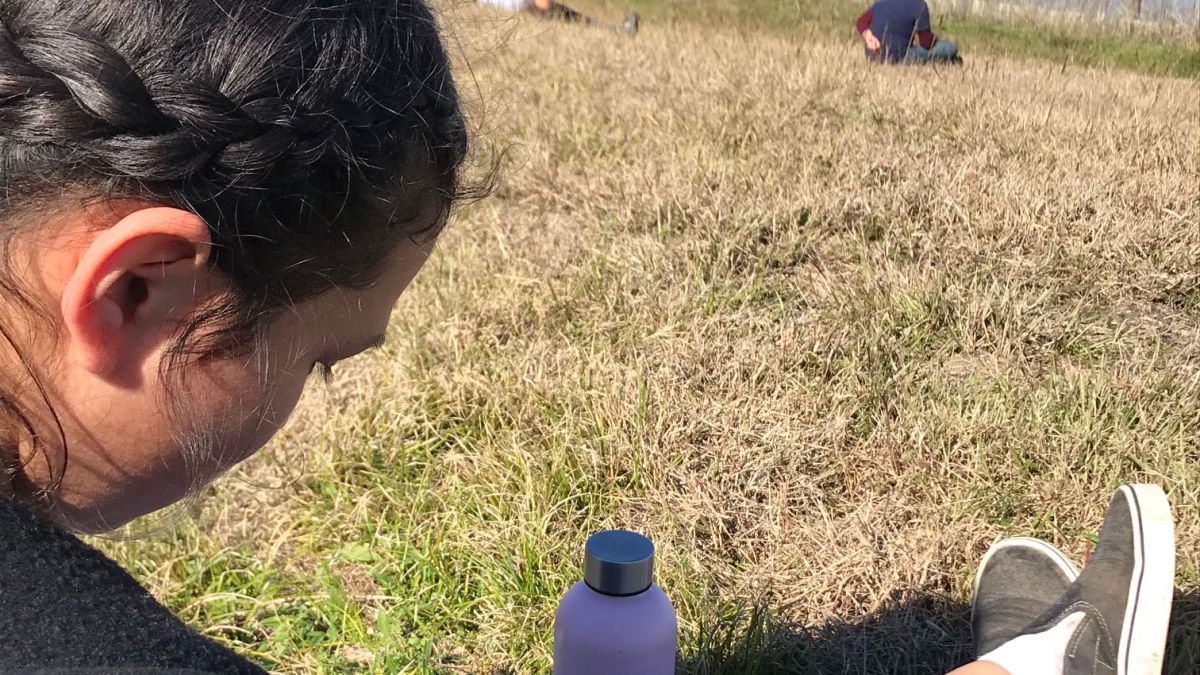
<point>943,50</point>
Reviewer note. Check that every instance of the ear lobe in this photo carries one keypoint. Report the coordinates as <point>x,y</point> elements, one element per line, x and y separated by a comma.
<point>132,286</point>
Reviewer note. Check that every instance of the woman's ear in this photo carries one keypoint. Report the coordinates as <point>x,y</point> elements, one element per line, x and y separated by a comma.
<point>132,286</point>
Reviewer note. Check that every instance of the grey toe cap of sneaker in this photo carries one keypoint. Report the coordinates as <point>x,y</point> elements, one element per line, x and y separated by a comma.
<point>1018,581</point>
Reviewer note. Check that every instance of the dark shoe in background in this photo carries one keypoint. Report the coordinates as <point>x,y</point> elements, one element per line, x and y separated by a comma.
<point>631,24</point>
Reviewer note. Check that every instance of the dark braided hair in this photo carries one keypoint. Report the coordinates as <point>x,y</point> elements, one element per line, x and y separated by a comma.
<point>284,124</point>
<point>309,135</point>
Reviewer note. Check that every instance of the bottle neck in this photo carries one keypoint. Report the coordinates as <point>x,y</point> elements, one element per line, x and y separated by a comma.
<point>615,595</point>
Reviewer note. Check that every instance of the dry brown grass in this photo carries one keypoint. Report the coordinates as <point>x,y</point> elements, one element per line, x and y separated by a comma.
<point>823,330</point>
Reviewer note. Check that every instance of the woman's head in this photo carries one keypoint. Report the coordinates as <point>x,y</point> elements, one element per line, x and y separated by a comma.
<point>202,199</point>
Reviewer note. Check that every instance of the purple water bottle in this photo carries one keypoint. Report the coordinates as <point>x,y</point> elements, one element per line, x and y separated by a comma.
<point>616,621</point>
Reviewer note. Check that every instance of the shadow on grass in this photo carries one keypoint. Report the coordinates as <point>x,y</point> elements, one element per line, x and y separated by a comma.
<point>912,634</point>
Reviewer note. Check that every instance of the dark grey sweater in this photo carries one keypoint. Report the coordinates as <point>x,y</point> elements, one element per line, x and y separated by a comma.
<point>65,608</point>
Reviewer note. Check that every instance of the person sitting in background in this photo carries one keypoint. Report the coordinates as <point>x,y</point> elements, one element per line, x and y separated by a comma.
<point>898,31</point>
<point>550,9</point>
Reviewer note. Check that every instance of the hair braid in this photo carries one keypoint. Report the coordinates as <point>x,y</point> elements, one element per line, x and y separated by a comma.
<point>300,130</point>
<point>65,88</point>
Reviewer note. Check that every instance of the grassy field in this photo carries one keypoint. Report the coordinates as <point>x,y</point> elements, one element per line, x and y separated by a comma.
<point>823,330</point>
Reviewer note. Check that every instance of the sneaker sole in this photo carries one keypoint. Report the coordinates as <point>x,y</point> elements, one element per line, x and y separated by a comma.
<point>1065,566</point>
<point>1152,586</point>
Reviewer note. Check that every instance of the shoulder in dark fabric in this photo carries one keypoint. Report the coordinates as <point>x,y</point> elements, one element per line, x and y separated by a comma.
<point>65,608</point>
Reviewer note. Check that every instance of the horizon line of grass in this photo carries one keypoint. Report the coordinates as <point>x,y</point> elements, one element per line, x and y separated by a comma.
<point>1096,46</point>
